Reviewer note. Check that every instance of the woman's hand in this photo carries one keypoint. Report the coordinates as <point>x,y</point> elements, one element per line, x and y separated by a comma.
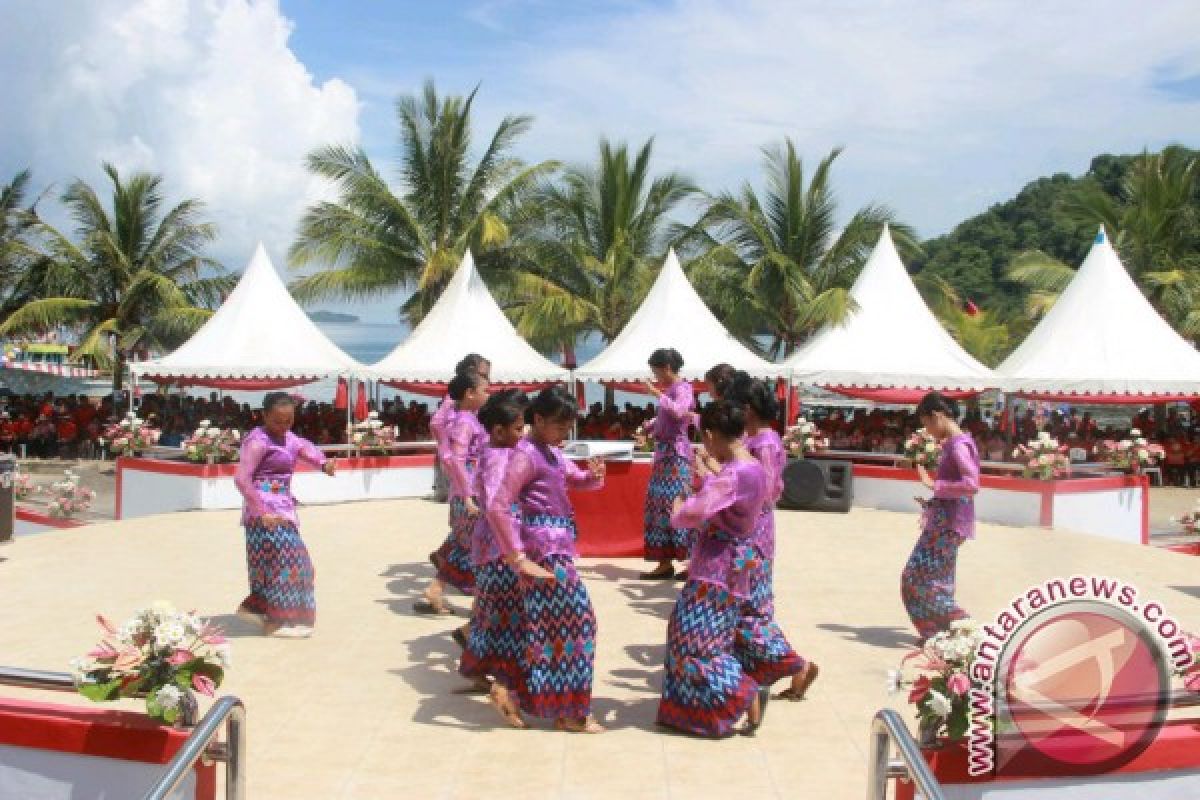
<point>597,468</point>
<point>329,467</point>
<point>524,566</point>
<point>472,507</point>
<point>271,521</point>
<point>678,504</point>
<point>923,475</point>
<point>652,389</point>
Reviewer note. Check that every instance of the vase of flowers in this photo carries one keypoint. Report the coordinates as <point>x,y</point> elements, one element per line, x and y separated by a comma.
<point>371,436</point>
<point>1189,521</point>
<point>23,486</point>
<point>1045,459</point>
<point>69,496</point>
<point>921,449</point>
<point>130,437</point>
<point>643,441</point>
<point>212,445</point>
<point>1130,455</point>
<point>804,438</point>
<point>161,654</point>
<point>941,684</point>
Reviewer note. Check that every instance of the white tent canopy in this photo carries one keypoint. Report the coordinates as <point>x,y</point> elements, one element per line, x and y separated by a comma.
<point>892,340</point>
<point>258,334</point>
<point>466,319</point>
<point>1103,338</point>
<point>673,315</point>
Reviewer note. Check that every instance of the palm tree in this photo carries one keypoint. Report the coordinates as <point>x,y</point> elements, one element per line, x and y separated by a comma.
<point>16,256</point>
<point>377,241</point>
<point>135,279</point>
<point>591,244</point>
<point>983,334</point>
<point>776,262</point>
<point>1154,224</point>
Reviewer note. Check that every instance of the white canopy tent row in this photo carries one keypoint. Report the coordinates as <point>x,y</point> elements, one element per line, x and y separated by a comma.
<point>465,319</point>
<point>891,348</point>
<point>259,338</point>
<point>673,315</point>
<point>1103,342</point>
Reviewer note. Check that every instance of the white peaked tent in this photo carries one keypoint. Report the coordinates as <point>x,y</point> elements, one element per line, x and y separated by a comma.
<point>673,315</point>
<point>259,337</point>
<point>1102,341</point>
<point>892,342</point>
<point>465,319</point>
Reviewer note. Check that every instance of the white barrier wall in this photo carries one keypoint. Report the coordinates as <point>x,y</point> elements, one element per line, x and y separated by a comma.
<point>27,522</point>
<point>1110,507</point>
<point>148,486</point>
<point>34,774</point>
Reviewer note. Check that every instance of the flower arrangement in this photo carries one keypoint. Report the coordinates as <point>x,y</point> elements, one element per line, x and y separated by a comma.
<point>1189,521</point>
<point>643,440</point>
<point>1132,455</point>
<point>160,653</point>
<point>23,486</point>
<point>803,438</point>
<point>212,445</point>
<point>922,449</point>
<point>130,436</point>
<point>70,497</point>
<point>372,436</point>
<point>1045,459</point>
<point>942,683</point>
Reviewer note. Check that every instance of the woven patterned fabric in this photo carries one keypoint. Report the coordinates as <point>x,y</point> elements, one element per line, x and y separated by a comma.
<point>927,583</point>
<point>670,477</point>
<point>705,689</point>
<point>453,559</point>
<point>759,643</point>
<point>498,639</point>
<point>281,575</point>
<point>561,643</point>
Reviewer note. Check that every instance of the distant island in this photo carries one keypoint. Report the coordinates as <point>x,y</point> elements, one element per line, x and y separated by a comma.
<point>331,316</point>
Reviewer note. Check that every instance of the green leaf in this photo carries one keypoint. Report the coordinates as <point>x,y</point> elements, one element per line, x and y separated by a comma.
<point>101,692</point>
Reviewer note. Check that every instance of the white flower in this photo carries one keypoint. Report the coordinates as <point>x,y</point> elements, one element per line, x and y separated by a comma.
<point>939,704</point>
<point>224,654</point>
<point>1140,442</point>
<point>191,451</point>
<point>214,431</point>
<point>966,624</point>
<point>373,415</point>
<point>126,423</point>
<point>1135,432</point>
<point>169,697</point>
<point>204,423</point>
<point>930,447</point>
<point>169,634</point>
<point>1044,436</point>
<point>1044,460</point>
<point>358,438</point>
<point>237,436</point>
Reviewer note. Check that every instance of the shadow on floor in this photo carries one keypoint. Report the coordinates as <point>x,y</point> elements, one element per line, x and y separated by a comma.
<point>406,585</point>
<point>447,698</point>
<point>1191,591</point>
<point>887,636</point>
<point>235,627</point>
<point>617,714</point>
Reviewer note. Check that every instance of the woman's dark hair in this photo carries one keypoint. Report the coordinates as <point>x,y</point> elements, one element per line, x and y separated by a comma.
<point>470,363</point>
<point>723,417</point>
<point>720,376</point>
<point>273,400</point>
<point>461,382</point>
<point>503,408</point>
<point>553,402</point>
<point>666,357</point>
<point>755,394</point>
<point>936,401</point>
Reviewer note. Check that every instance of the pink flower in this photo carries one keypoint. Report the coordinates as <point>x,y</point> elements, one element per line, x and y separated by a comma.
<point>102,651</point>
<point>959,683</point>
<point>180,657</point>
<point>203,684</point>
<point>128,660</point>
<point>105,625</point>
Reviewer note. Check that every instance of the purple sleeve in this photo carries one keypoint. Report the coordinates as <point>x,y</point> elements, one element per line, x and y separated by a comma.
<point>518,472</point>
<point>968,471</point>
<point>440,418</point>
<point>253,450</point>
<point>578,477</point>
<point>458,446</point>
<point>717,493</point>
<point>309,453</point>
<point>679,406</point>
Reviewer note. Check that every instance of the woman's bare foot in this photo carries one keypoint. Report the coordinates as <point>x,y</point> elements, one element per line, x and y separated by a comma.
<point>800,683</point>
<point>501,700</point>
<point>756,712</point>
<point>586,725</point>
<point>434,600</point>
<point>252,617</point>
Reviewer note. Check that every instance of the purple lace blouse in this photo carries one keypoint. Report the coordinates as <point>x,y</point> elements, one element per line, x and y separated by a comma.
<point>955,487</point>
<point>670,426</point>
<point>440,419</point>
<point>767,447</point>
<point>264,473</point>
<point>536,479</point>
<point>464,438</point>
<point>726,513</point>
<point>489,472</point>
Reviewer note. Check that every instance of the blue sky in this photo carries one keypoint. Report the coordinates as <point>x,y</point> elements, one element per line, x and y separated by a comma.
<point>944,107</point>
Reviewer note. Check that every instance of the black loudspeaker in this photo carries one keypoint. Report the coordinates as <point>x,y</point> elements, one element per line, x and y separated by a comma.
<point>818,485</point>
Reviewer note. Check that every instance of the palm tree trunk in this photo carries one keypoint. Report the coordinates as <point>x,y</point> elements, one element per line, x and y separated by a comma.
<point>118,372</point>
<point>568,354</point>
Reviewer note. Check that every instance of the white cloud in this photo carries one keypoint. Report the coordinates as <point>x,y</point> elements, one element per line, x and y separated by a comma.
<point>206,92</point>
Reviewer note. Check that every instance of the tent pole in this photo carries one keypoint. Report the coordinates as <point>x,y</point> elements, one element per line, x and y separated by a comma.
<point>350,387</point>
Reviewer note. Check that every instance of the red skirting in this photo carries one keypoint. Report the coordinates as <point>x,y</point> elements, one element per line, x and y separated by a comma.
<point>610,520</point>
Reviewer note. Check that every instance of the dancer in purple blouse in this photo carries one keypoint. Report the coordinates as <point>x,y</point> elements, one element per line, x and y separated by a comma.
<point>559,621</point>
<point>927,584</point>
<point>472,362</point>
<point>705,689</point>
<point>671,474</point>
<point>761,645</point>
<point>464,438</point>
<point>282,598</point>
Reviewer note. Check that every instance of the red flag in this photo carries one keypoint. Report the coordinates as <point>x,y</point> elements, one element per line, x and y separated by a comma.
<point>972,309</point>
<point>360,402</point>
<point>341,397</point>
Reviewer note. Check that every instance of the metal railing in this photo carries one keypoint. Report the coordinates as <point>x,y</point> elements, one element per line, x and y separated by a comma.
<point>888,728</point>
<point>199,746</point>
